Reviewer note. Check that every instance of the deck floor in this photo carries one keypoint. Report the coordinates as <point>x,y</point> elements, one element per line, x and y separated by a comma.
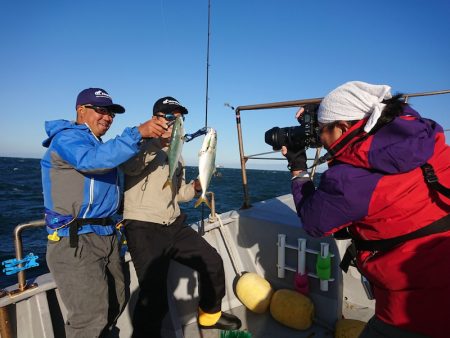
<point>260,326</point>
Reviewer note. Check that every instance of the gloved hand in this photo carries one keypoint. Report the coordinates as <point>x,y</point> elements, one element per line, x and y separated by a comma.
<point>296,158</point>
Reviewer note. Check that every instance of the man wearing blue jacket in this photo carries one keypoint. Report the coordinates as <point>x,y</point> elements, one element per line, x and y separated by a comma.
<point>81,193</point>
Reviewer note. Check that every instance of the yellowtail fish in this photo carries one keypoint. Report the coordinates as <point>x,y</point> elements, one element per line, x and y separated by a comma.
<point>175,148</point>
<point>206,164</point>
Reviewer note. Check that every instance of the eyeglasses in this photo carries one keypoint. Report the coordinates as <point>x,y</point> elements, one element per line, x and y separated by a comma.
<point>102,110</point>
<point>170,116</point>
<point>326,126</point>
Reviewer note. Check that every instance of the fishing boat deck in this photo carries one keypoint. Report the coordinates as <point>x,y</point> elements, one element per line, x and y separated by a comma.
<point>247,241</point>
<point>253,233</point>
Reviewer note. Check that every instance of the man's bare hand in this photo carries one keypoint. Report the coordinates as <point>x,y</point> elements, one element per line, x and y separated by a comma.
<point>152,128</point>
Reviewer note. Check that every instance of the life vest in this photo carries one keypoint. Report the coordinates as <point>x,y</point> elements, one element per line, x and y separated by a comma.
<point>383,245</point>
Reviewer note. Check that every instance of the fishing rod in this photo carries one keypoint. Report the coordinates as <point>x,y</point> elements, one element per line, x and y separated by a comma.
<point>207,64</point>
<point>201,230</point>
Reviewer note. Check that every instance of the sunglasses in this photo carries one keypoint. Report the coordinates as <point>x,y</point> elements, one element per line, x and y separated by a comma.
<point>170,116</point>
<point>102,110</point>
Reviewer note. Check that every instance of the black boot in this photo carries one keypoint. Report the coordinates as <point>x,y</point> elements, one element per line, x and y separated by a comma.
<point>227,321</point>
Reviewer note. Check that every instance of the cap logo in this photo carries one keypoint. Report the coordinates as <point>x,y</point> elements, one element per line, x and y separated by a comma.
<point>167,101</point>
<point>100,93</point>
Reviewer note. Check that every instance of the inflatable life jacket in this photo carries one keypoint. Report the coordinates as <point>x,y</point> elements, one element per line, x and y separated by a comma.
<point>383,245</point>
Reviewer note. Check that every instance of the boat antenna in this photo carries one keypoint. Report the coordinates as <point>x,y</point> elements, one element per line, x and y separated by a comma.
<point>201,230</point>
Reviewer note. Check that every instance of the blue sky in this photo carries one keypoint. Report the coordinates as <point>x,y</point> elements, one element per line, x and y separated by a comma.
<point>260,51</point>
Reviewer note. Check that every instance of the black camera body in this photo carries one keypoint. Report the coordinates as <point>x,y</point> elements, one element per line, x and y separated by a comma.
<point>304,136</point>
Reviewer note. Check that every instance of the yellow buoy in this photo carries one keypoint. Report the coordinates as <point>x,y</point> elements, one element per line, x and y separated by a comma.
<point>292,309</point>
<point>254,292</point>
<point>348,328</point>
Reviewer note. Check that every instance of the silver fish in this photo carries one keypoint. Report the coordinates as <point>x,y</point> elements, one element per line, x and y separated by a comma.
<point>175,148</point>
<point>206,164</point>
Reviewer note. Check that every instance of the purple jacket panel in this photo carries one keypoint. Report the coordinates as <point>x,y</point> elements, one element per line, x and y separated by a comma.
<point>403,145</point>
<point>343,196</point>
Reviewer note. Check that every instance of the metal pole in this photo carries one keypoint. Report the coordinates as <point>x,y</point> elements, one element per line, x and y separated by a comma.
<point>212,216</point>
<point>19,255</point>
<point>246,204</point>
<point>22,281</point>
<point>5,323</point>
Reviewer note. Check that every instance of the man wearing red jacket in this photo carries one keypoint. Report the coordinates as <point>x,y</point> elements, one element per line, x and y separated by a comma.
<point>386,186</point>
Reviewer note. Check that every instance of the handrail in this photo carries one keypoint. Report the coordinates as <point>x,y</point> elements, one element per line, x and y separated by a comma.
<point>285,104</point>
<point>22,281</point>
<point>5,322</point>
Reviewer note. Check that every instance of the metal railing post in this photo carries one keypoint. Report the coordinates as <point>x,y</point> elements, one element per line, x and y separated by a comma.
<point>246,203</point>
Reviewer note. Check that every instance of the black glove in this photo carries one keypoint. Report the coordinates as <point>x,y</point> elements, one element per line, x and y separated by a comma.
<point>296,159</point>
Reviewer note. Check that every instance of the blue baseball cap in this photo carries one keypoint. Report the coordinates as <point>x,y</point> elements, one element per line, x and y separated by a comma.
<point>98,97</point>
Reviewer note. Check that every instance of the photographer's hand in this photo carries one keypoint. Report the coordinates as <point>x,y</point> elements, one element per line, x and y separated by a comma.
<point>299,113</point>
<point>296,159</point>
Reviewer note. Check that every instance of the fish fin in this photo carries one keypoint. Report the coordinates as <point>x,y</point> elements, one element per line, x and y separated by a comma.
<point>168,183</point>
<point>201,200</point>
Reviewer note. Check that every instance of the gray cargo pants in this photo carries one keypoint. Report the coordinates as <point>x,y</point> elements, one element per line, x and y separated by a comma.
<point>90,281</point>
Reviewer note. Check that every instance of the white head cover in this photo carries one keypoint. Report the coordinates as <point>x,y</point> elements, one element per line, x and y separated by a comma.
<point>354,100</point>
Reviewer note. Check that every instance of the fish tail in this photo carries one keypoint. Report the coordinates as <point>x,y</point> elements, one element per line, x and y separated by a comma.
<point>168,183</point>
<point>202,199</point>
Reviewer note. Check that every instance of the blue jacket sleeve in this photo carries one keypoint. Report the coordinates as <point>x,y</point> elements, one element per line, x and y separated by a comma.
<point>343,196</point>
<point>86,154</point>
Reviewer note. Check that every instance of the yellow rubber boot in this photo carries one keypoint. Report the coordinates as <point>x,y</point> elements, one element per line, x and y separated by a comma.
<point>208,319</point>
<point>218,320</point>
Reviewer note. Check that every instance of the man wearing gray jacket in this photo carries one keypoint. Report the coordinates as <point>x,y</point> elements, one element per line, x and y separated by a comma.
<point>156,232</point>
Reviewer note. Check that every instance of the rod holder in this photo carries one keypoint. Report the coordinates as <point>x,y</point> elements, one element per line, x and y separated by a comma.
<point>281,255</point>
<point>323,262</point>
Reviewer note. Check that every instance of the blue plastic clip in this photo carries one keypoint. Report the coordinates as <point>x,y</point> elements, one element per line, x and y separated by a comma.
<point>11,265</point>
<point>200,132</point>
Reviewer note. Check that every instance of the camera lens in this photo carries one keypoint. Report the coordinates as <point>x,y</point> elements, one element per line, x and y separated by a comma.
<point>272,138</point>
<point>299,137</point>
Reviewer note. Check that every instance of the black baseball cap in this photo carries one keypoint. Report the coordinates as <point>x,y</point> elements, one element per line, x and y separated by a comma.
<point>100,98</point>
<point>168,105</point>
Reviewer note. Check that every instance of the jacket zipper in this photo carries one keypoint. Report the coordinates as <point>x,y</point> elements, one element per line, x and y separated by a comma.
<point>91,196</point>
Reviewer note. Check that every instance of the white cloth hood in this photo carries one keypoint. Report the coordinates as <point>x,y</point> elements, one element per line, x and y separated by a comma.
<point>354,100</point>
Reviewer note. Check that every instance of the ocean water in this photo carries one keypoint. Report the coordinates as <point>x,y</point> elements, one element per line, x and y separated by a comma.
<point>21,201</point>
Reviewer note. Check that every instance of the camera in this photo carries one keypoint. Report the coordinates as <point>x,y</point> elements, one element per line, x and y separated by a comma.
<point>300,137</point>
